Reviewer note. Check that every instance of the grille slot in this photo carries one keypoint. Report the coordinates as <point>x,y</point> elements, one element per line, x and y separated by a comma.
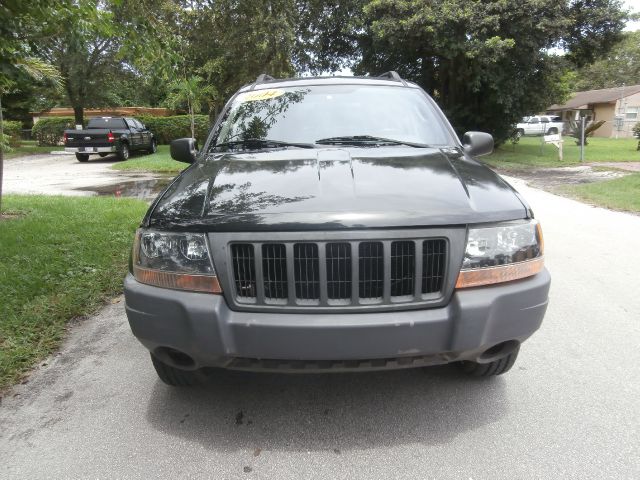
<point>403,265</point>
<point>307,271</point>
<point>371,270</point>
<point>274,271</point>
<point>244,271</point>
<point>339,271</point>
<point>433,265</point>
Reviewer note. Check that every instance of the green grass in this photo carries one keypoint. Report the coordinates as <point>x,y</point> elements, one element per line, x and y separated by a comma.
<point>619,194</point>
<point>526,153</point>
<point>160,162</point>
<point>29,147</point>
<point>61,258</point>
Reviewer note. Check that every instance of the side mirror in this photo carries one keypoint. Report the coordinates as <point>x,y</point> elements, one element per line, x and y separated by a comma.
<point>477,143</point>
<point>184,150</point>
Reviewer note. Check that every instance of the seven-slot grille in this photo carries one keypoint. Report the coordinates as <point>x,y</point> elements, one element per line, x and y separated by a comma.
<point>338,273</point>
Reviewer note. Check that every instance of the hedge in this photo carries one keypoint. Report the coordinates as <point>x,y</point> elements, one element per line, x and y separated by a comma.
<point>12,129</point>
<point>48,131</point>
<point>166,129</point>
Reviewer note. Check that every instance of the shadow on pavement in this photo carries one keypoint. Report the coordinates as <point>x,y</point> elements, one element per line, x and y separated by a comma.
<point>332,412</point>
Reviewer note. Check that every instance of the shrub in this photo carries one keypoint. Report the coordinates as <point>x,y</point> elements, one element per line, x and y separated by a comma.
<point>12,130</point>
<point>48,131</point>
<point>636,133</point>
<point>166,129</point>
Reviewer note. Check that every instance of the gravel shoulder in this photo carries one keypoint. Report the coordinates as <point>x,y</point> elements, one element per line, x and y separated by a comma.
<point>57,174</point>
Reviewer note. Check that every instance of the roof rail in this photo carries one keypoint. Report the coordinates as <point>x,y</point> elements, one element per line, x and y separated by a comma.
<point>393,75</point>
<point>263,77</point>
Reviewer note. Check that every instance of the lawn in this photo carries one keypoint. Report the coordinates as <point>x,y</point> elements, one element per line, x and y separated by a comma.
<point>160,162</point>
<point>526,153</point>
<point>61,258</point>
<point>619,194</point>
<point>29,147</point>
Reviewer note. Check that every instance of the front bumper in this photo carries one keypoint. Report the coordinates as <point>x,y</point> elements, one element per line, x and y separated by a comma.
<point>203,327</point>
<point>90,150</point>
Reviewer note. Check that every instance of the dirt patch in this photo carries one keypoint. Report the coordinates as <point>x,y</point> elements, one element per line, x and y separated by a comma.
<point>552,178</point>
<point>146,189</point>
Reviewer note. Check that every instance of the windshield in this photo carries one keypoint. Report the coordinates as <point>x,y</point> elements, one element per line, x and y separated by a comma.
<point>307,114</point>
<point>106,122</point>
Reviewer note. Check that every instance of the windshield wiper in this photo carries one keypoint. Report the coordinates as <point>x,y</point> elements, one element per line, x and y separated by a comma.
<point>259,143</point>
<point>367,140</point>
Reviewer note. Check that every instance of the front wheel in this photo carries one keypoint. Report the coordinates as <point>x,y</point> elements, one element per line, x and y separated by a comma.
<point>552,131</point>
<point>172,376</point>
<point>497,367</point>
<point>123,152</point>
<point>82,157</point>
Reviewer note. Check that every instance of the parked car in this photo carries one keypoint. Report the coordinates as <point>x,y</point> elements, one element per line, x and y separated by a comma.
<point>539,125</point>
<point>335,224</point>
<point>105,135</point>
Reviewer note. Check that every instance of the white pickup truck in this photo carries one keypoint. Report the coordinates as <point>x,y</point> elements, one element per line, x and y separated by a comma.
<point>539,125</point>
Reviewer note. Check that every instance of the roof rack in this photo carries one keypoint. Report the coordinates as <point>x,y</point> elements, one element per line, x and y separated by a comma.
<point>393,75</point>
<point>263,77</point>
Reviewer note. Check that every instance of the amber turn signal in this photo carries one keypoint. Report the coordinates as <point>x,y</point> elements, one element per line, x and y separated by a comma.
<point>499,274</point>
<point>177,281</point>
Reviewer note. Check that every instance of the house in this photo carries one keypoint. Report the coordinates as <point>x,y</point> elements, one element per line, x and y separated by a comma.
<point>619,107</point>
<point>104,112</point>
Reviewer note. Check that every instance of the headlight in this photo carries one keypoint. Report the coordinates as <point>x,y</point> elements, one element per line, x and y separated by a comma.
<point>174,260</point>
<point>501,253</point>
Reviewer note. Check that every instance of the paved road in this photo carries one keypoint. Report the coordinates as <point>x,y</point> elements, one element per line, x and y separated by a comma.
<point>570,408</point>
<point>56,174</point>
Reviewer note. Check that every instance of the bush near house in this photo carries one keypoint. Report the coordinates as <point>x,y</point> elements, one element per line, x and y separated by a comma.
<point>636,133</point>
<point>12,129</point>
<point>166,129</point>
<point>48,131</point>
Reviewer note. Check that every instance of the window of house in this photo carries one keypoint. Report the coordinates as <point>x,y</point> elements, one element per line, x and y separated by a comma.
<point>632,113</point>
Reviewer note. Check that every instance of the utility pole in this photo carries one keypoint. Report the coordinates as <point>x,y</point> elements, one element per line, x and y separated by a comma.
<point>582,125</point>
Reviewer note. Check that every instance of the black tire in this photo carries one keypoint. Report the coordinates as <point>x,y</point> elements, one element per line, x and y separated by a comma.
<point>174,377</point>
<point>123,151</point>
<point>82,157</point>
<point>153,148</point>
<point>103,154</point>
<point>519,133</point>
<point>490,369</point>
<point>552,131</point>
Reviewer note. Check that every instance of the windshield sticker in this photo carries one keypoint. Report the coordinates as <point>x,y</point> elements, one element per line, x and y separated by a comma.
<point>261,95</point>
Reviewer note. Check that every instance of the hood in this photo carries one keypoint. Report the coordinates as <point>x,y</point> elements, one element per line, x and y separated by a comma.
<point>335,188</point>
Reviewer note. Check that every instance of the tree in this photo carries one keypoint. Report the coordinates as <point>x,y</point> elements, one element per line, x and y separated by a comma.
<point>85,50</point>
<point>191,92</point>
<point>486,63</point>
<point>21,25</point>
<point>621,66</point>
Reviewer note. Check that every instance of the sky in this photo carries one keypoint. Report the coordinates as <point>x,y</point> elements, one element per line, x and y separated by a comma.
<point>634,6</point>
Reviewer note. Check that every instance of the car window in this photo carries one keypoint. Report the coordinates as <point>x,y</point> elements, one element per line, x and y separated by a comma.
<point>310,113</point>
<point>131,123</point>
<point>534,120</point>
<point>106,122</point>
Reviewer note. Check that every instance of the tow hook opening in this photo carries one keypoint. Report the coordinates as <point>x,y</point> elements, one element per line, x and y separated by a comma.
<point>175,358</point>
<point>498,351</point>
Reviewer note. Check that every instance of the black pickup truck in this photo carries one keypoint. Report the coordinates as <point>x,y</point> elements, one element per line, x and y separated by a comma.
<point>105,135</point>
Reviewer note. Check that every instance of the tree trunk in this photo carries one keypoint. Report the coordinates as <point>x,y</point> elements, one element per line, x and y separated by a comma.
<point>1,152</point>
<point>191,114</point>
<point>78,113</point>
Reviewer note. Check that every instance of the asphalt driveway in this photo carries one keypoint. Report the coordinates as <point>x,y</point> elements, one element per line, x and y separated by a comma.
<point>570,408</point>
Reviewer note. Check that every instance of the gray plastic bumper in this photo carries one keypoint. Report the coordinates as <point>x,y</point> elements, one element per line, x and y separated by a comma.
<point>203,326</point>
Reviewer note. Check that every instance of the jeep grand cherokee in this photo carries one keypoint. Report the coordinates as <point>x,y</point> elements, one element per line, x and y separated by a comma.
<point>335,224</point>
